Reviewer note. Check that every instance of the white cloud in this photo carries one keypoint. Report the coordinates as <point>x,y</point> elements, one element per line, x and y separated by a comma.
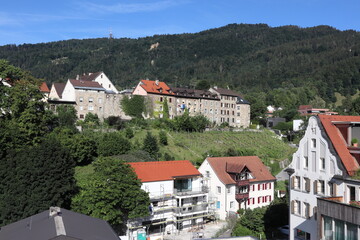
<point>131,7</point>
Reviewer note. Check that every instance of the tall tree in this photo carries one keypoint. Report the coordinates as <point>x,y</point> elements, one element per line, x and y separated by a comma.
<point>35,178</point>
<point>113,193</point>
<point>150,145</point>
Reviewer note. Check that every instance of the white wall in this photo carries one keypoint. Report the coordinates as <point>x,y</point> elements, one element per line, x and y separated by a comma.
<point>105,82</point>
<point>69,92</point>
<point>313,172</point>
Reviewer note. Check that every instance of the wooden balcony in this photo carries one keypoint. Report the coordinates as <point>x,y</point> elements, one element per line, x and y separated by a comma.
<point>241,196</point>
<point>240,183</point>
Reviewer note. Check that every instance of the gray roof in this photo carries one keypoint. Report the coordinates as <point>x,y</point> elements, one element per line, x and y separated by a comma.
<point>42,227</point>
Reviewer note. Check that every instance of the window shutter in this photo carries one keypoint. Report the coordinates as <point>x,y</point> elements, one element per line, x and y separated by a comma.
<point>315,187</point>
<point>292,182</point>
<point>334,189</point>
<point>292,207</point>
<point>315,212</point>
<point>307,185</point>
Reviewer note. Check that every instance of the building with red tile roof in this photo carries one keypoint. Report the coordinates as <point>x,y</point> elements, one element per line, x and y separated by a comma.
<point>178,197</point>
<point>308,110</point>
<point>322,170</point>
<point>164,170</point>
<point>238,182</point>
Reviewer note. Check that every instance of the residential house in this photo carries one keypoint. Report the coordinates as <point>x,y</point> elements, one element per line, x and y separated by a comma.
<point>237,182</point>
<point>308,110</point>
<point>156,92</point>
<point>58,223</point>
<point>90,93</point>
<point>178,198</point>
<point>44,90</point>
<point>322,180</point>
<point>234,109</point>
<point>217,104</point>
<point>196,102</point>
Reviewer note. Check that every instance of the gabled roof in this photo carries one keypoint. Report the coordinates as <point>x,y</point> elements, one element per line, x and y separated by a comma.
<point>257,169</point>
<point>89,76</point>
<point>156,87</point>
<point>90,85</point>
<point>43,226</point>
<point>337,140</point>
<point>59,88</point>
<point>44,88</point>
<point>163,170</point>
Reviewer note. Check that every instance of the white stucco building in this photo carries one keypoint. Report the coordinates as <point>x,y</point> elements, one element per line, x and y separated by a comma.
<point>177,195</point>
<point>237,182</point>
<point>321,180</point>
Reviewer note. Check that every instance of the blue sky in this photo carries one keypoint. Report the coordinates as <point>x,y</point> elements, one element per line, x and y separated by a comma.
<point>23,21</point>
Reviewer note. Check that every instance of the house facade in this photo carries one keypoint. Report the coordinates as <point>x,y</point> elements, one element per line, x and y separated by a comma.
<point>322,185</point>
<point>177,195</point>
<point>237,182</point>
<point>217,104</point>
<point>90,93</point>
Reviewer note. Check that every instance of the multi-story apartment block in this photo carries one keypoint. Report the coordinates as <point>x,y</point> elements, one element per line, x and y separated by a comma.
<point>237,182</point>
<point>197,102</point>
<point>322,180</point>
<point>156,93</point>
<point>178,198</point>
<point>218,105</point>
<point>233,108</point>
<point>91,93</point>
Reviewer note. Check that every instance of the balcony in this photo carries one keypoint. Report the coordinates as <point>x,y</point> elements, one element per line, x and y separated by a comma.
<point>191,209</point>
<point>241,196</point>
<point>336,208</point>
<point>190,192</point>
<point>240,183</point>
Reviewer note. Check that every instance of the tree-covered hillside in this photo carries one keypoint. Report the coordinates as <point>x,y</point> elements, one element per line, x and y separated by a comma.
<point>247,57</point>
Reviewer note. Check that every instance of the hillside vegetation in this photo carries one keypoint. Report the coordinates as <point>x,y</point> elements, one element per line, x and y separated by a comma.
<point>245,57</point>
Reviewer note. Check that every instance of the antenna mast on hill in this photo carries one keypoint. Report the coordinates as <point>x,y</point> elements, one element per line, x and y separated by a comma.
<point>110,34</point>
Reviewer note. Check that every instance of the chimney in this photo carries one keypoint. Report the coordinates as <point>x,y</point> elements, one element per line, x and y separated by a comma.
<point>55,212</point>
<point>77,77</point>
<point>157,82</point>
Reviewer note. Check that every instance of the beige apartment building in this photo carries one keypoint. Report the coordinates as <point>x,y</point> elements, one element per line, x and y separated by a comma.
<point>217,104</point>
<point>89,93</point>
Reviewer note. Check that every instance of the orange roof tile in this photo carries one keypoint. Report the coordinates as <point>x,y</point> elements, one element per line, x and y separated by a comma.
<point>156,87</point>
<point>163,170</point>
<point>258,170</point>
<point>337,140</point>
<point>44,88</point>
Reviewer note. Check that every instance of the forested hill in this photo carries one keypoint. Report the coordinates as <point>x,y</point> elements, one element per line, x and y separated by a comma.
<point>243,56</point>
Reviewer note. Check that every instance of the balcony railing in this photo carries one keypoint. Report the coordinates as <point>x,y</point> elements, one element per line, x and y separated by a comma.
<point>241,196</point>
<point>240,183</point>
<point>191,209</point>
<point>194,191</point>
<point>335,207</point>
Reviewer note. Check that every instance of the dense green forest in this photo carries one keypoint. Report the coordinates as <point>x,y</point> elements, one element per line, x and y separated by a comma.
<point>248,58</point>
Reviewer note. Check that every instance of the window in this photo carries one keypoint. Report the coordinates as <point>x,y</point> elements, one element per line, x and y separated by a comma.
<point>219,190</point>
<point>81,116</point>
<point>100,109</point>
<point>161,99</point>
<point>81,108</point>
<point>90,108</point>
<point>296,182</point>
<point>332,188</point>
<point>319,187</point>
<point>307,210</point>
<point>259,199</point>
<point>307,184</point>
<point>81,99</point>
<point>238,114</point>
<point>302,235</point>
<point>232,204</point>
<point>91,99</point>
<point>170,100</point>
<point>207,174</point>
<point>313,143</point>
<point>229,190</point>
<point>297,207</point>
<point>306,162</point>
<point>322,163</point>
<point>352,193</point>
<point>100,100</point>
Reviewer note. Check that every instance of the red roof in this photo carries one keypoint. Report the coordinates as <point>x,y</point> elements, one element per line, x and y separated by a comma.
<point>163,170</point>
<point>44,88</point>
<point>156,87</point>
<point>337,139</point>
<point>258,170</point>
